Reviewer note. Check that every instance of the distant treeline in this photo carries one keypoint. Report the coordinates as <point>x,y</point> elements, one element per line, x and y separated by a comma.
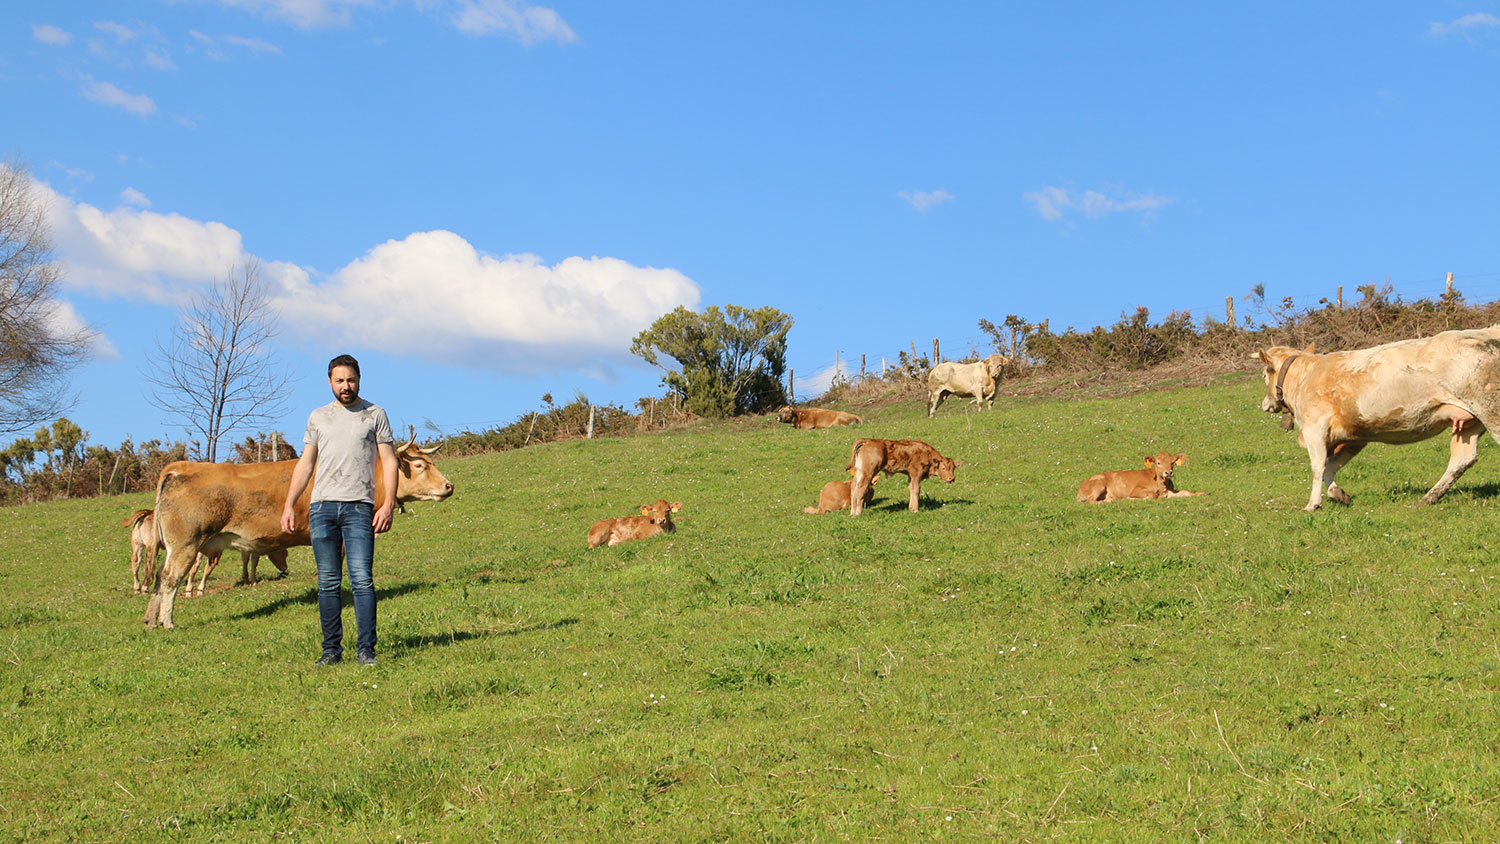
<point>54,462</point>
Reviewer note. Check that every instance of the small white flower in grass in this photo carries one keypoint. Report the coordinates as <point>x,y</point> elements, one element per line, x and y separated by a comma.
<point>1383,706</point>
<point>374,685</point>
<point>1025,711</point>
<point>585,674</point>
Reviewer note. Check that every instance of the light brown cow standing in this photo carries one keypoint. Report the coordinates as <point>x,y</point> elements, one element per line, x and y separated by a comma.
<point>809,418</point>
<point>655,519</point>
<point>913,458</point>
<point>208,507</point>
<point>143,548</point>
<point>835,497</point>
<point>979,379</point>
<point>1154,481</point>
<point>1398,392</point>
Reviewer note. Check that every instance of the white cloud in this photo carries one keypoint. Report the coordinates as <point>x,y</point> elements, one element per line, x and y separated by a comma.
<point>111,95</point>
<point>138,254</point>
<point>303,14</point>
<point>121,32</point>
<point>212,45</point>
<point>527,23</point>
<point>131,196</point>
<point>925,200</point>
<point>1053,203</point>
<point>1464,24</point>
<point>433,295</point>
<point>64,321</point>
<point>254,45</point>
<point>160,61</point>
<point>49,34</point>
<point>819,382</point>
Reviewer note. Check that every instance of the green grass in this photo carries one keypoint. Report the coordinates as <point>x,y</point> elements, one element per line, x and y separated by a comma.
<point>1006,663</point>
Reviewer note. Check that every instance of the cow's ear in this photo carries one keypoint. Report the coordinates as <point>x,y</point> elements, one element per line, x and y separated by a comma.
<point>404,464</point>
<point>676,506</point>
<point>1150,461</point>
<point>1264,358</point>
<point>645,511</point>
<point>1181,459</point>
<point>1309,349</point>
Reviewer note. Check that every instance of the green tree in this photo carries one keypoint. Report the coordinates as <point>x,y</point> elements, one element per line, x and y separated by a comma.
<point>729,362</point>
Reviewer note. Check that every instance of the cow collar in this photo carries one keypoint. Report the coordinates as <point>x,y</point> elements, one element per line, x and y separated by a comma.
<point>1287,415</point>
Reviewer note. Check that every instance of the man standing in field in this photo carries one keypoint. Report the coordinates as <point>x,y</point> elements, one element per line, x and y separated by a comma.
<point>344,439</point>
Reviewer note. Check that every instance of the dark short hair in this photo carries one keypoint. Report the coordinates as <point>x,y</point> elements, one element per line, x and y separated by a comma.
<point>344,360</point>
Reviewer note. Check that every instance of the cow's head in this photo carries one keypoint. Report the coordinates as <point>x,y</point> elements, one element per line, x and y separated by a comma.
<point>661,512</point>
<point>786,414</point>
<point>943,467</point>
<point>1164,463</point>
<point>417,477</point>
<point>995,365</point>
<point>1275,362</point>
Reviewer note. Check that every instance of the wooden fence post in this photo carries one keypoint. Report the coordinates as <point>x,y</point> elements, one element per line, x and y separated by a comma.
<point>913,353</point>
<point>1448,293</point>
<point>1340,298</point>
<point>591,421</point>
<point>936,356</point>
<point>861,366</point>
<point>1229,310</point>
<point>791,392</point>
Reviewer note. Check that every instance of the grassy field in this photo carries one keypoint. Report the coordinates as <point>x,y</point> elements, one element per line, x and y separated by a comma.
<point>1006,664</point>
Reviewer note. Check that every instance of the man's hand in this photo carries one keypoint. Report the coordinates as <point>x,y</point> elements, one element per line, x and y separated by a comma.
<point>288,519</point>
<point>382,520</point>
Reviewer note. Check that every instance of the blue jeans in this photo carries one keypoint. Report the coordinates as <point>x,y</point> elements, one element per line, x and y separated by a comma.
<point>344,529</point>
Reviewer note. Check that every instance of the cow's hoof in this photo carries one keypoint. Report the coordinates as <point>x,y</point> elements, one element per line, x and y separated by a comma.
<point>1340,496</point>
<point>1311,508</point>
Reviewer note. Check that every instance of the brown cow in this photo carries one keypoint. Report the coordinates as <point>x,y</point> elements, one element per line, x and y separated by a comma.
<point>1154,481</point>
<point>808,418</point>
<point>835,497</point>
<point>978,379</point>
<point>208,507</point>
<point>1398,392</point>
<point>143,547</point>
<point>249,562</point>
<point>913,458</point>
<point>654,519</point>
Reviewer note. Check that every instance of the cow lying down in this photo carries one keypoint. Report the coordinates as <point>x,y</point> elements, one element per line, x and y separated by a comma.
<point>809,418</point>
<point>1154,481</point>
<point>835,497</point>
<point>654,519</point>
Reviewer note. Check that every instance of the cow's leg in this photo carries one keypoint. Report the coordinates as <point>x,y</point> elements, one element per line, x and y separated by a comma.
<point>859,485</point>
<point>1463,452</point>
<point>1317,455</point>
<point>1340,457</point>
<point>248,561</point>
<point>192,570</point>
<point>213,562</point>
<point>159,608</point>
<point>135,568</point>
<point>933,400</point>
<point>914,488</point>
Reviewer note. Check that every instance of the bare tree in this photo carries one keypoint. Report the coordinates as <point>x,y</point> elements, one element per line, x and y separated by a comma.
<point>218,374</point>
<point>37,348</point>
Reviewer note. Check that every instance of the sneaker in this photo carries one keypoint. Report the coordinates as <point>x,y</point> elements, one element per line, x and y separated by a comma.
<point>330,658</point>
<point>366,657</point>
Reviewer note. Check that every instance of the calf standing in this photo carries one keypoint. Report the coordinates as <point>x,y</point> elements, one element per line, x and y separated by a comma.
<point>143,547</point>
<point>654,519</point>
<point>1154,481</point>
<point>913,458</point>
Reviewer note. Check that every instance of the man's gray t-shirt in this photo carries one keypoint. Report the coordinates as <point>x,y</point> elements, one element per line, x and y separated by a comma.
<point>346,439</point>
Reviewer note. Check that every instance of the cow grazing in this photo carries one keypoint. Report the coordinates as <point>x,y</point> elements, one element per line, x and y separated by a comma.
<point>1398,392</point>
<point>208,507</point>
<point>835,497</point>
<point>143,547</point>
<point>913,458</point>
<point>654,519</point>
<point>1154,481</point>
<point>808,418</point>
<point>976,379</point>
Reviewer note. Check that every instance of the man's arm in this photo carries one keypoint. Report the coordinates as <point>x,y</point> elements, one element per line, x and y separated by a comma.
<point>387,465</point>
<point>301,474</point>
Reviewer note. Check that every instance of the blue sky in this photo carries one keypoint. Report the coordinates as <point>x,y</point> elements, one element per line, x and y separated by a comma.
<point>484,200</point>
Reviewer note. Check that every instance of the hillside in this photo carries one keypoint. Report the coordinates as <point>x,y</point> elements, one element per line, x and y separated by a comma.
<point>1006,662</point>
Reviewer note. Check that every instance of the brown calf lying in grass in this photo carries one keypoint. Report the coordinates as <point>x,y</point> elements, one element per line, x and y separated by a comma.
<point>835,497</point>
<point>808,418</point>
<point>1154,481</point>
<point>654,519</point>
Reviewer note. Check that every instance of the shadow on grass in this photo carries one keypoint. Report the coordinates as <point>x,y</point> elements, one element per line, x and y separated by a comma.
<point>309,597</point>
<point>427,640</point>
<point>923,504</point>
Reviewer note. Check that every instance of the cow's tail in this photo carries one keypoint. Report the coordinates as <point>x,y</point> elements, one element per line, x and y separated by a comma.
<point>853,452</point>
<point>135,518</point>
